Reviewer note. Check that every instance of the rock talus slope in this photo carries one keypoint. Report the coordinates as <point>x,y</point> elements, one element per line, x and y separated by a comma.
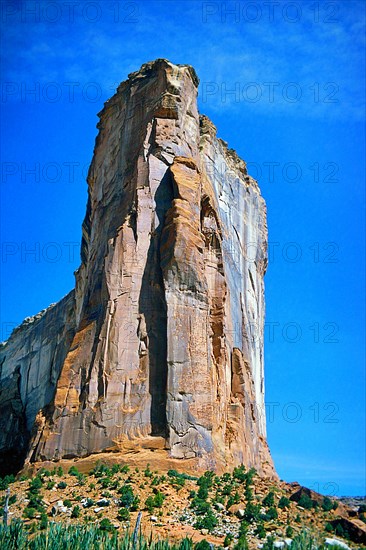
<point>163,335</point>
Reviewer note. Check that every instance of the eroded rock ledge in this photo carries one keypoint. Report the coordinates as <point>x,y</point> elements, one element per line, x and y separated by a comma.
<point>156,343</point>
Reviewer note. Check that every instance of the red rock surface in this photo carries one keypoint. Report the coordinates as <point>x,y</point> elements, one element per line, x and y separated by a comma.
<point>162,338</point>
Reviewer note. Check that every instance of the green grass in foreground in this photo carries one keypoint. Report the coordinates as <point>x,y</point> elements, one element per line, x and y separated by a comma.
<point>93,537</point>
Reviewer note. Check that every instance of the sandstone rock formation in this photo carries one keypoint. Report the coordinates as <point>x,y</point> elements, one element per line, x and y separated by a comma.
<point>163,335</point>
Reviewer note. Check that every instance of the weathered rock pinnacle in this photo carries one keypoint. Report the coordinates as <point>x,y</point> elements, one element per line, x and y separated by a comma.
<point>162,338</point>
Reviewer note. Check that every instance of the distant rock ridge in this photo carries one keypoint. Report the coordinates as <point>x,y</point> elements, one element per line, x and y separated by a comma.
<point>156,342</point>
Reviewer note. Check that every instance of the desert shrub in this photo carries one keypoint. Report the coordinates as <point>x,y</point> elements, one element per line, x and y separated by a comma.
<point>200,506</point>
<point>35,501</point>
<point>67,503</point>
<point>243,528</point>
<point>284,502</point>
<point>123,514</point>
<point>62,485</point>
<point>269,499</point>
<point>174,473</point>
<point>88,503</point>
<point>250,476</point>
<point>6,481</point>
<point>100,470</point>
<point>178,482</point>
<point>239,473</point>
<point>81,478</point>
<point>271,514</point>
<point>128,499</point>
<point>106,525</point>
<point>260,531</point>
<point>50,485</point>
<point>44,472</point>
<point>305,502</point>
<point>35,485</point>
<point>29,512</point>
<point>228,540</point>
<point>206,480</point>
<point>43,522</point>
<point>202,492</point>
<point>73,471</point>
<point>75,513</point>
<point>329,528</point>
<point>252,512</point>
<point>242,544</point>
<point>208,521</point>
<point>227,489</point>
<point>149,504</point>
<point>289,531</point>
<point>159,499</point>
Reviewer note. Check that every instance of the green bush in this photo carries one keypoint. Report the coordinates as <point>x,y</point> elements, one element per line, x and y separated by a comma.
<point>260,531</point>
<point>284,502</point>
<point>35,485</point>
<point>75,513</point>
<point>100,470</point>
<point>271,514</point>
<point>269,499</point>
<point>5,482</point>
<point>67,503</point>
<point>43,522</point>
<point>208,521</point>
<point>228,540</point>
<point>127,498</point>
<point>202,492</point>
<point>81,478</point>
<point>252,512</point>
<point>149,504</point>
<point>29,513</point>
<point>242,544</point>
<point>123,514</point>
<point>289,531</point>
<point>305,502</point>
<point>106,525</point>
<point>206,480</point>
<point>329,528</point>
<point>174,473</point>
<point>200,506</point>
<point>62,485</point>
<point>73,471</point>
<point>227,489</point>
<point>159,499</point>
<point>243,528</point>
<point>269,544</point>
<point>239,473</point>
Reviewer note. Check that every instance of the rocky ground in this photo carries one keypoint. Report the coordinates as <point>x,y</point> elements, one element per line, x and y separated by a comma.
<point>176,504</point>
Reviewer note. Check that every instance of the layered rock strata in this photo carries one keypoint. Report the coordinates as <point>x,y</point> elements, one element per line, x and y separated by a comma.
<point>163,336</point>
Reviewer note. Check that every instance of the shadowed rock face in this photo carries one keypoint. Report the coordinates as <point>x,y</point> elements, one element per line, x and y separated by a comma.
<point>163,335</point>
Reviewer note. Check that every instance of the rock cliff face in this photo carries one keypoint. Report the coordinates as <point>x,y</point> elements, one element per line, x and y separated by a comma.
<point>162,338</point>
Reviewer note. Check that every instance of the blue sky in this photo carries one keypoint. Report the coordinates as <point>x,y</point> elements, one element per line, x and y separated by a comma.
<point>284,84</point>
